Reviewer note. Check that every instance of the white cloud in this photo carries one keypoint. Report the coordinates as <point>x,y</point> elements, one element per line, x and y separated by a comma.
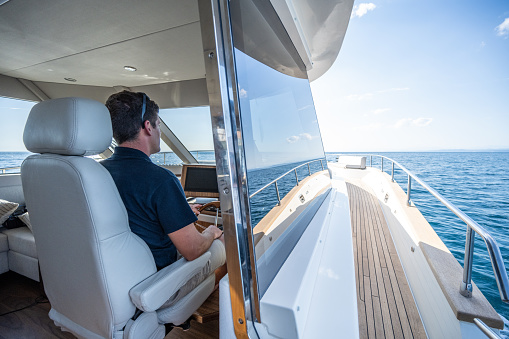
<point>302,136</point>
<point>292,139</point>
<point>361,9</point>
<point>401,123</point>
<point>422,122</point>
<point>381,110</point>
<point>329,273</point>
<point>243,93</point>
<point>503,28</point>
<point>483,44</point>
<point>419,122</point>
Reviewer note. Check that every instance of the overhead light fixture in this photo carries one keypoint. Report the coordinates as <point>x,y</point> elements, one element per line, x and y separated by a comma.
<point>70,79</point>
<point>130,68</point>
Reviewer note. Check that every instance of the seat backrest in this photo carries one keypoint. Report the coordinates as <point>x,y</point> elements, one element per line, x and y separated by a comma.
<point>88,256</point>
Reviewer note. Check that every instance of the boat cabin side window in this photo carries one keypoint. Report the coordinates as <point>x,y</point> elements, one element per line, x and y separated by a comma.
<point>192,127</point>
<point>13,116</point>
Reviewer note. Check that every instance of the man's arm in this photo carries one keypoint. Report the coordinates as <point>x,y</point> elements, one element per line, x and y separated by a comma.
<point>191,243</point>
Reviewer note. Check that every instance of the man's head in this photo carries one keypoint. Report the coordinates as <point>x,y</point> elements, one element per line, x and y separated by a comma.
<point>126,110</point>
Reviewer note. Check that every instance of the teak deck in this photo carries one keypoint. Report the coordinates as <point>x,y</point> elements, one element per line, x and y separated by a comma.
<point>386,308</point>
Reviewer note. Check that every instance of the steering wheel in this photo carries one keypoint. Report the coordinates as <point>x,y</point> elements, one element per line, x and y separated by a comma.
<point>215,204</point>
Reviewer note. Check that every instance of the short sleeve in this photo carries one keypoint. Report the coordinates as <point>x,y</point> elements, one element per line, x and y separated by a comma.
<point>172,208</point>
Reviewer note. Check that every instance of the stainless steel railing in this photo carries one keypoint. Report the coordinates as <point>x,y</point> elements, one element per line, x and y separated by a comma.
<point>5,169</point>
<point>486,329</point>
<point>497,262</point>
<point>282,176</point>
<point>173,155</point>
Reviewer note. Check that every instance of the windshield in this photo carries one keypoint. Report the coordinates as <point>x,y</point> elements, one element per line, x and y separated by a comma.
<point>192,126</point>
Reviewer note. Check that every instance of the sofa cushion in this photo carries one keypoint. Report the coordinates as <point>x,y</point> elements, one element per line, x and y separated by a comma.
<point>4,262</point>
<point>6,209</point>
<point>21,240</point>
<point>4,245</point>
<point>24,265</point>
<point>26,220</point>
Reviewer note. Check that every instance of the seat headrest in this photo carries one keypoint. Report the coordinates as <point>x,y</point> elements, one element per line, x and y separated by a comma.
<point>68,126</point>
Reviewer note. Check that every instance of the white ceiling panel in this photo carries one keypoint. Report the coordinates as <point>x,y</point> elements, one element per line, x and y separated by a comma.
<point>172,55</point>
<point>90,39</point>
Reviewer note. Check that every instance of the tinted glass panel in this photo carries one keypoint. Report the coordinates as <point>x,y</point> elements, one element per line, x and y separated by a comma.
<point>280,132</point>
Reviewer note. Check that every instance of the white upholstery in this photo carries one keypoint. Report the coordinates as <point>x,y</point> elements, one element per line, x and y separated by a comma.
<point>4,245</point>
<point>84,129</point>
<point>24,265</point>
<point>22,253</point>
<point>89,257</point>
<point>21,243</point>
<point>4,260</point>
<point>177,312</point>
<point>152,293</point>
<point>348,161</point>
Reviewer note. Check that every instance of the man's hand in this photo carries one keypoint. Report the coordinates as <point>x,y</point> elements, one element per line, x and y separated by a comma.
<point>195,208</point>
<point>215,231</point>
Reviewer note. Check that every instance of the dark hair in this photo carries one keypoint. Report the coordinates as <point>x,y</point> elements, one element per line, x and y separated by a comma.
<point>125,110</point>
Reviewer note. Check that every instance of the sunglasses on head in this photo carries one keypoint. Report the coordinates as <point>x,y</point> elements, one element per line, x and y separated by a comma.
<point>144,107</point>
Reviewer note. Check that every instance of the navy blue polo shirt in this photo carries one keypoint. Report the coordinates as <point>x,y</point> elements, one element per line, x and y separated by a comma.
<point>155,201</point>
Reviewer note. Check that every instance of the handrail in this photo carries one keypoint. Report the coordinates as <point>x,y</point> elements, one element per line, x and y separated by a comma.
<point>280,177</point>
<point>496,259</point>
<point>171,152</point>
<point>5,169</point>
<point>486,329</point>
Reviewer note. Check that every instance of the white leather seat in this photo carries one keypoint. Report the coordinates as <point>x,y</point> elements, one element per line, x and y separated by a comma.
<point>96,272</point>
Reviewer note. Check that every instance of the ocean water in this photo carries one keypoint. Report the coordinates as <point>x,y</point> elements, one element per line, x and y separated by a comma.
<point>476,182</point>
<point>12,159</point>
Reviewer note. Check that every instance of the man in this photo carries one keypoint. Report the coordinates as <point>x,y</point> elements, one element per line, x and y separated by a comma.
<point>153,196</point>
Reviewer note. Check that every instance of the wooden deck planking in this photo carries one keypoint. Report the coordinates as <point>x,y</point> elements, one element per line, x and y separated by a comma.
<point>385,302</point>
<point>379,260</point>
<point>33,322</point>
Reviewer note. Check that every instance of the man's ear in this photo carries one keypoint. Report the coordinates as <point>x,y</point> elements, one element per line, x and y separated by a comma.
<point>148,127</point>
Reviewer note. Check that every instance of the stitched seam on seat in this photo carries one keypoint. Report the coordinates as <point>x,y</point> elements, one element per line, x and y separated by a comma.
<point>101,264</point>
<point>70,146</point>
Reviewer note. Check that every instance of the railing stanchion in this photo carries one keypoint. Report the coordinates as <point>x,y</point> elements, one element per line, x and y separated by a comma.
<point>370,161</point>
<point>408,190</point>
<point>466,284</point>
<point>296,177</point>
<point>382,163</point>
<point>164,160</point>
<point>309,170</point>
<point>321,163</point>
<point>278,198</point>
<point>392,175</point>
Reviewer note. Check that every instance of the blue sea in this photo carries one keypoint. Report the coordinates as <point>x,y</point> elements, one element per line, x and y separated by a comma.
<point>476,182</point>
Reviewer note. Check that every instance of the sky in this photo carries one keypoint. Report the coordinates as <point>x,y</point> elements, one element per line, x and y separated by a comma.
<point>417,76</point>
<point>410,76</point>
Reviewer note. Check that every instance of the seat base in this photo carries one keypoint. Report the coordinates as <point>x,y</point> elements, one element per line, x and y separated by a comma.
<point>209,310</point>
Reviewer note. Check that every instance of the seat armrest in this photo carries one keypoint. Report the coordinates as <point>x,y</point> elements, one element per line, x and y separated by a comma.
<point>153,292</point>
